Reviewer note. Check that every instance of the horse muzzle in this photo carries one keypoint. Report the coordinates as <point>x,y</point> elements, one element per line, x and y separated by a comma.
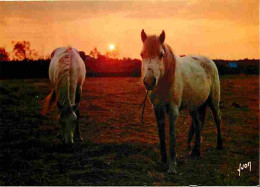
<point>68,138</point>
<point>149,82</point>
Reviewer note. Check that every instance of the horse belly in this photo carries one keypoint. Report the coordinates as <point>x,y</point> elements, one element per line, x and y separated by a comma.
<point>78,73</point>
<point>195,93</point>
<point>77,76</point>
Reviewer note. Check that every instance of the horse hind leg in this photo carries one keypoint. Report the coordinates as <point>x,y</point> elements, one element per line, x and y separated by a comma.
<point>190,135</point>
<point>214,107</point>
<point>202,114</point>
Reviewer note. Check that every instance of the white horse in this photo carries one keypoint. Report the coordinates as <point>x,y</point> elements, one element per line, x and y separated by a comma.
<point>67,74</point>
<point>175,83</point>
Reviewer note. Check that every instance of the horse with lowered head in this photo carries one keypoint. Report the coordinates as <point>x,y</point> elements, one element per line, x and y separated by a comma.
<point>67,74</point>
<point>175,83</point>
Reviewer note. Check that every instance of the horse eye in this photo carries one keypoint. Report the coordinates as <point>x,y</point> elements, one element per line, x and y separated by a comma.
<point>161,55</point>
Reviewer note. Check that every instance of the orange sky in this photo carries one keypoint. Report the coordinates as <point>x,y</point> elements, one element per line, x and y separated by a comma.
<point>226,29</point>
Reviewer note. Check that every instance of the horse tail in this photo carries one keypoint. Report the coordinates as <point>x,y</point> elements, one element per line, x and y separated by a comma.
<point>49,101</point>
<point>215,87</point>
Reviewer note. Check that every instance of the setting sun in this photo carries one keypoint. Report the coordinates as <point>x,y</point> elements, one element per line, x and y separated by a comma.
<point>111,47</point>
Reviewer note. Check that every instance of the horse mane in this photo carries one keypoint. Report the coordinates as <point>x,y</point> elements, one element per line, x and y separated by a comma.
<point>170,62</point>
<point>167,80</point>
<point>61,92</point>
<point>63,79</point>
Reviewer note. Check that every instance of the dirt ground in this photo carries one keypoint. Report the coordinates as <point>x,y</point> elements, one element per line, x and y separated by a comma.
<point>118,149</point>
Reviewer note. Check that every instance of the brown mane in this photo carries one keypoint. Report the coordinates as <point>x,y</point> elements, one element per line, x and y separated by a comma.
<point>170,62</point>
<point>167,80</point>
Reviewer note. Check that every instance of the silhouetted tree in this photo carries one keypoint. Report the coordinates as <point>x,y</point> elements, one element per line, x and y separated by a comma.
<point>82,55</point>
<point>112,54</point>
<point>4,55</point>
<point>94,53</point>
<point>22,50</point>
<point>48,57</point>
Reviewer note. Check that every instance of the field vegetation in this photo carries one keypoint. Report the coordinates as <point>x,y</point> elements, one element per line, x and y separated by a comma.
<point>118,149</point>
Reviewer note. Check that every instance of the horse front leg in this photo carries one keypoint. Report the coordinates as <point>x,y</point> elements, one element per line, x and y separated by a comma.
<point>160,117</point>
<point>172,112</point>
<point>77,132</point>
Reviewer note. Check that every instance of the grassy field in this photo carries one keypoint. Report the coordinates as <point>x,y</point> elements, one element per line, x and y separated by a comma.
<point>118,149</point>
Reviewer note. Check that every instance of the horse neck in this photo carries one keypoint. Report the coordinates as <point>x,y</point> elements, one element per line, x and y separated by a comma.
<point>170,65</point>
<point>64,94</point>
<point>168,78</point>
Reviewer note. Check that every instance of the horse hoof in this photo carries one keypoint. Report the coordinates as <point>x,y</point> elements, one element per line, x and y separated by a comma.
<point>172,168</point>
<point>58,136</point>
<point>79,139</point>
<point>219,144</point>
<point>194,155</point>
<point>219,147</point>
<point>172,171</point>
<point>165,167</point>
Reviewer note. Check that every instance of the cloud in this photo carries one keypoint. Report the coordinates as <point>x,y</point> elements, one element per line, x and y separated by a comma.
<point>97,23</point>
<point>56,11</point>
<point>3,22</point>
<point>240,11</point>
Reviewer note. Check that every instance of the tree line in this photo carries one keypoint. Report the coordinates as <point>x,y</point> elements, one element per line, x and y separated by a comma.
<point>22,51</point>
<point>27,63</point>
<point>243,66</point>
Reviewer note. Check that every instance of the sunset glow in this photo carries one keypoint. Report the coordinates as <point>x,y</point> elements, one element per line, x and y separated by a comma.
<point>217,29</point>
<point>111,47</point>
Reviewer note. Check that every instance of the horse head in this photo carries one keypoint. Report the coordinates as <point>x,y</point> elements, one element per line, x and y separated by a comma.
<point>67,122</point>
<point>152,57</point>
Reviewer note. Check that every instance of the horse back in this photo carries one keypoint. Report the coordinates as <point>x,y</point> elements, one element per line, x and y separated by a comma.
<point>74,63</point>
<point>198,76</point>
<point>200,63</point>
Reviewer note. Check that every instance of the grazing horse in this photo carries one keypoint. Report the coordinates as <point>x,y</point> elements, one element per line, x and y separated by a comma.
<point>67,74</point>
<point>175,83</point>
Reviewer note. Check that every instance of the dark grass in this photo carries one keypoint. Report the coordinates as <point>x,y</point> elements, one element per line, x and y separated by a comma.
<point>117,149</point>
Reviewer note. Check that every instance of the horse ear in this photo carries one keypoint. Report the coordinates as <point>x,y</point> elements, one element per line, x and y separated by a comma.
<point>143,35</point>
<point>162,37</point>
<point>53,53</point>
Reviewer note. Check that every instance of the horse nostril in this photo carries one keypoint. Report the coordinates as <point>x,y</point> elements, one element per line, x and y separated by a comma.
<point>149,82</point>
<point>144,80</point>
<point>154,81</point>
